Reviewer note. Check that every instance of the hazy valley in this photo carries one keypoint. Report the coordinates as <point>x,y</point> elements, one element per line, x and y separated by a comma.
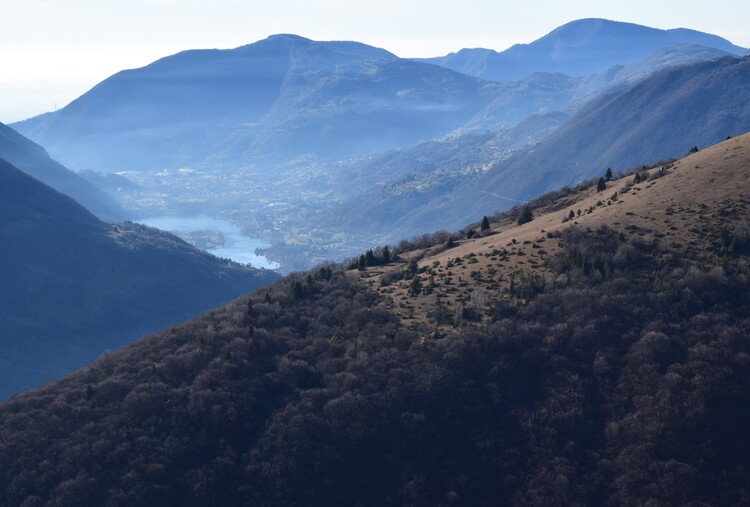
<point>511,278</point>
<point>293,139</point>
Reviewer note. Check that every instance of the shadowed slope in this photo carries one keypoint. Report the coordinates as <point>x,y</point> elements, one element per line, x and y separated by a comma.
<point>73,286</point>
<point>33,160</point>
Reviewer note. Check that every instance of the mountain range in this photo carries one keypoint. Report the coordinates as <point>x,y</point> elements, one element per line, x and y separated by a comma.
<point>74,286</point>
<point>284,93</point>
<point>287,99</point>
<point>581,47</point>
<point>657,118</point>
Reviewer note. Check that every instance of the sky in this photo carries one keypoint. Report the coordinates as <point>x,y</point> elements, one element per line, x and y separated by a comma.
<point>52,51</point>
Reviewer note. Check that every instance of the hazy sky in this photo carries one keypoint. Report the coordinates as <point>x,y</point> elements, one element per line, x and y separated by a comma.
<point>52,51</point>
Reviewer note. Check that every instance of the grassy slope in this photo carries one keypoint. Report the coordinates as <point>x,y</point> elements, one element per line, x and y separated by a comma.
<point>683,211</point>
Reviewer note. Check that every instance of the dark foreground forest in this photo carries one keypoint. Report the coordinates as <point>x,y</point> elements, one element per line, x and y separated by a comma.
<point>626,382</point>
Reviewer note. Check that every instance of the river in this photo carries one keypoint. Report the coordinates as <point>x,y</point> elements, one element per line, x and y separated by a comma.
<point>237,246</point>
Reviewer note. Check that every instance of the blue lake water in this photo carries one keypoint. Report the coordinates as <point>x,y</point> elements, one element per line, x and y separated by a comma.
<point>237,246</point>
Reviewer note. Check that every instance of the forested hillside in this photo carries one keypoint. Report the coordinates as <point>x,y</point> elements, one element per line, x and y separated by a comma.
<point>555,357</point>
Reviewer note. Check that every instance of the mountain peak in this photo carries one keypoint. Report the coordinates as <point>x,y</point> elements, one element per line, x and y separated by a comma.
<point>580,47</point>
<point>345,47</point>
<point>586,29</point>
<point>592,33</point>
<point>594,22</point>
<point>288,36</point>
<point>281,39</point>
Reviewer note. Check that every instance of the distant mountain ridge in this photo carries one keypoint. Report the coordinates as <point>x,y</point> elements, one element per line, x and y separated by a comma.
<point>152,110</point>
<point>358,107</point>
<point>34,160</point>
<point>285,94</point>
<point>584,46</point>
<point>74,286</point>
<point>287,98</point>
<point>544,92</point>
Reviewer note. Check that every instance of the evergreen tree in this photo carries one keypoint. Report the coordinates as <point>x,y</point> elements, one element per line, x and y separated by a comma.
<point>485,224</point>
<point>416,286</point>
<point>526,216</point>
<point>601,185</point>
<point>297,289</point>
<point>608,174</point>
<point>369,258</point>
<point>386,254</point>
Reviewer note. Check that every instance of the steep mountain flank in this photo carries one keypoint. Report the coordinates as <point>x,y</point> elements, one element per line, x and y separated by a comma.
<point>73,286</point>
<point>33,160</point>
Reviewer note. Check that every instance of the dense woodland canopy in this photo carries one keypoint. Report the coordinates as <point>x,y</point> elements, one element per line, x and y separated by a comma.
<point>625,383</point>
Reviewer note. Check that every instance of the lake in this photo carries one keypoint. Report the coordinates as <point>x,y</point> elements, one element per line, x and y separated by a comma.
<point>237,246</point>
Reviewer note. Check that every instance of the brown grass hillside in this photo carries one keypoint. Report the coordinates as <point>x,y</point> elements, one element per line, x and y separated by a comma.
<point>680,206</point>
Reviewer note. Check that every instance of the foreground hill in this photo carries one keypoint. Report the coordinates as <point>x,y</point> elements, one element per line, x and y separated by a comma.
<point>33,160</point>
<point>604,360</point>
<point>585,46</point>
<point>667,206</point>
<point>73,286</point>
